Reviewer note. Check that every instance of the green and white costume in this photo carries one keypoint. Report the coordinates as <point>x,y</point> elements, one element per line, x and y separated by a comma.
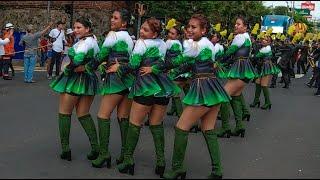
<point>83,83</point>
<point>266,66</point>
<point>241,67</point>
<point>149,52</point>
<point>205,89</point>
<point>117,45</point>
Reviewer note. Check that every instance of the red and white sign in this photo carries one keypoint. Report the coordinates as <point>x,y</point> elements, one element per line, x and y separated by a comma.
<point>308,5</point>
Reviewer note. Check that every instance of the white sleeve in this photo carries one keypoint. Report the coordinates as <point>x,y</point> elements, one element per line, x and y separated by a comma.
<point>83,47</point>
<point>5,41</point>
<point>238,40</point>
<point>163,48</point>
<point>190,48</point>
<point>51,34</point>
<point>140,47</point>
<point>110,39</point>
<point>266,49</point>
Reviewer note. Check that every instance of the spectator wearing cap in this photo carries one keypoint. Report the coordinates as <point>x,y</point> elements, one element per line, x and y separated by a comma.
<point>30,41</point>
<point>58,39</point>
<point>70,41</point>
<point>8,52</point>
<point>3,41</point>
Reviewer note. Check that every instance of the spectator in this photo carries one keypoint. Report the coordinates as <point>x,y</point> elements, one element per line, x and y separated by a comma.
<point>3,41</point>
<point>8,52</point>
<point>58,40</point>
<point>30,41</point>
<point>43,50</point>
<point>70,39</point>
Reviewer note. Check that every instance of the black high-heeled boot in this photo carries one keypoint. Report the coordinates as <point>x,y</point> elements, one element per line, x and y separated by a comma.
<point>66,155</point>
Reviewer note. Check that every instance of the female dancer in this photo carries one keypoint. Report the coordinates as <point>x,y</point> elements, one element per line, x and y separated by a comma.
<point>266,69</point>
<point>240,73</point>
<point>150,93</point>
<point>202,100</point>
<point>77,89</point>
<point>115,88</point>
<point>174,49</point>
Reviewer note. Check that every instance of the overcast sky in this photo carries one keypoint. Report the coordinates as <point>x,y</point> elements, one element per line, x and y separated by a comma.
<point>297,4</point>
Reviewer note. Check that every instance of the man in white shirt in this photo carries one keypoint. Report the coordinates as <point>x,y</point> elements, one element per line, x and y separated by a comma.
<point>58,40</point>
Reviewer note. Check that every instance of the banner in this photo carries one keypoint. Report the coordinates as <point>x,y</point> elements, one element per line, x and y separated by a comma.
<point>308,5</point>
<point>304,12</point>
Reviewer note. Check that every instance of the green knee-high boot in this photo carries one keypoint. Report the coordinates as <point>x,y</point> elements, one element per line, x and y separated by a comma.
<point>256,101</point>
<point>178,104</point>
<point>267,102</point>
<point>90,129</point>
<point>237,110</point>
<point>179,150</point>
<point>173,109</point>
<point>64,130</point>
<point>213,148</point>
<point>225,115</point>
<point>123,124</point>
<point>127,166</point>
<point>246,114</point>
<point>158,139</point>
<point>104,134</point>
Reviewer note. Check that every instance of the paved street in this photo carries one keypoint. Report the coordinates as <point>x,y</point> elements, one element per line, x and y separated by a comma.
<point>281,143</point>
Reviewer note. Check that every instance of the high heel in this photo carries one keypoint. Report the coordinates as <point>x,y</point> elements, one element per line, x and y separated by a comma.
<point>226,133</point>
<point>246,116</point>
<point>254,104</point>
<point>147,123</point>
<point>93,155</point>
<point>101,163</point>
<point>175,174</point>
<point>239,132</point>
<point>266,106</point>
<point>214,176</point>
<point>195,129</point>
<point>159,170</point>
<point>66,155</point>
<point>119,161</point>
<point>127,169</point>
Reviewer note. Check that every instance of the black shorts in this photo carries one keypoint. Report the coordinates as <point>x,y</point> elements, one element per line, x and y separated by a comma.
<point>151,100</point>
<point>123,92</point>
<point>246,80</point>
<point>73,94</point>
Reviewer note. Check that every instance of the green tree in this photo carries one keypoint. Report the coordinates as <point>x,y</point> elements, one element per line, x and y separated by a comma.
<point>224,12</point>
<point>280,10</point>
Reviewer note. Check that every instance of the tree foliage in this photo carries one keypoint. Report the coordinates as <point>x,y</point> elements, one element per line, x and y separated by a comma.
<point>224,12</point>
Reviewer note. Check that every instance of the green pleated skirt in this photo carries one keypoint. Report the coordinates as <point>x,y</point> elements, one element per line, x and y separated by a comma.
<point>206,92</point>
<point>242,69</point>
<point>83,83</point>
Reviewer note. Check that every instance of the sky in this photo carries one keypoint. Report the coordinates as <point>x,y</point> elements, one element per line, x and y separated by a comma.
<point>297,4</point>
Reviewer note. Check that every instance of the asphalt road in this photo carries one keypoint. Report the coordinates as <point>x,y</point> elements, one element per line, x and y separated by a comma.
<point>281,143</point>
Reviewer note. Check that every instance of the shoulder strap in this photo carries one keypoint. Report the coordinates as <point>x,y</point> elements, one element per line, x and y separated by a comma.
<point>58,34</point>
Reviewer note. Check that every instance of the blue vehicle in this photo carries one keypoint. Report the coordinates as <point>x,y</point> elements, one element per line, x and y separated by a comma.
<point>279,23</point>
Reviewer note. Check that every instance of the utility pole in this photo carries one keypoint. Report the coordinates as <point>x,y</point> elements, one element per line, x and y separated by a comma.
<point>141,8</point>
<point>48,12</point>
